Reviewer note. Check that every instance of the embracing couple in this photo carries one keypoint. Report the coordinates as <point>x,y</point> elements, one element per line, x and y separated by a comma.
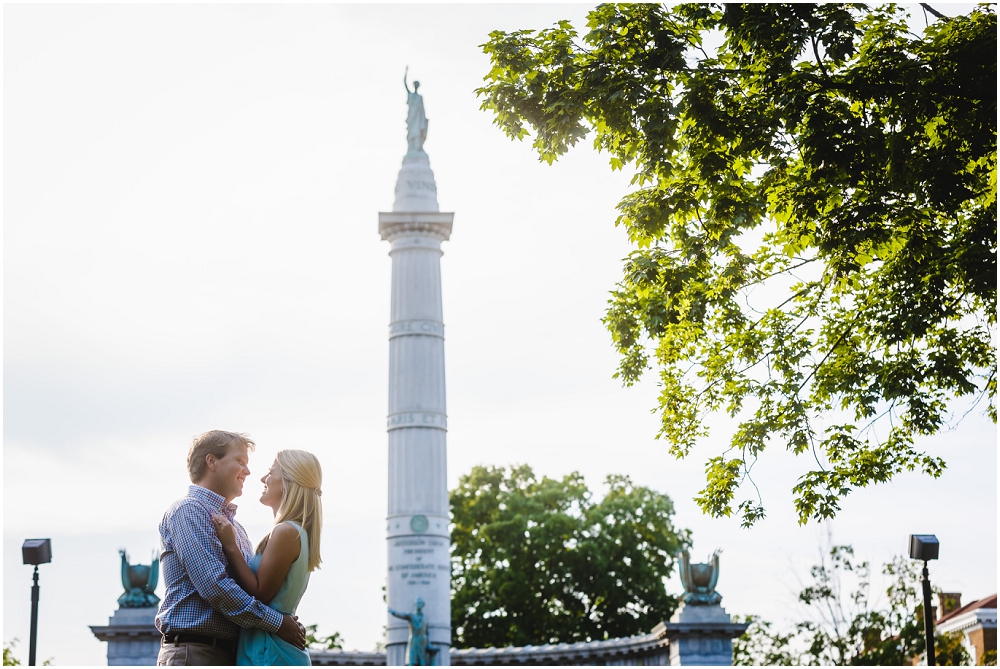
<point>226,603</point>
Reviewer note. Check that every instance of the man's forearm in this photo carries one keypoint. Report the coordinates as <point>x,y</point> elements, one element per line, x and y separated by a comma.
<point>247,612</point>
<point>242,573</point>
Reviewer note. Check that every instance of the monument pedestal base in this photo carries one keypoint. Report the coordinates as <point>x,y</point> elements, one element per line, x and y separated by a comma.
<point>702,635</point>
<point>132,637</point>
<point>395,655</point>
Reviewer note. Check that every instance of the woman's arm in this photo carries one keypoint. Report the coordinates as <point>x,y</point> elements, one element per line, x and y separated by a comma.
<point>281,551</point>
<point>238,567</point>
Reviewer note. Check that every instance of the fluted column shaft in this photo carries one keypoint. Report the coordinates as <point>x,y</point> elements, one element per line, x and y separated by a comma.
<point>417,521</point>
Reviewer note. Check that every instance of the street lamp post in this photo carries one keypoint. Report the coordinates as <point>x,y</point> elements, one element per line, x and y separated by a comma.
<point>925,547</point>
<point>33,641</point>
<point>35,552</point>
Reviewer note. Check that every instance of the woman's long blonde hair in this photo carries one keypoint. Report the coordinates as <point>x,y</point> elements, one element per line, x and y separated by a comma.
<point>301,480</point>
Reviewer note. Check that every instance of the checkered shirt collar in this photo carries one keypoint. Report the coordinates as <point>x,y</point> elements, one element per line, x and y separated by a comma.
<point>212,499</point>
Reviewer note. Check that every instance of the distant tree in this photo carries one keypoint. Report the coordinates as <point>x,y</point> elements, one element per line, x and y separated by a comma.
<point>8,654</point>
<point>330,642</point>
<point>815,217</point>
<point>850,628</point>
<point>540,561</point>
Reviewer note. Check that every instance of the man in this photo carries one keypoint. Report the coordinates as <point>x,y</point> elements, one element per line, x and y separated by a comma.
<point>203,607</point>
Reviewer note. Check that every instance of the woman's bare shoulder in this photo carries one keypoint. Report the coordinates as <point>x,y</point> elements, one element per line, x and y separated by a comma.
<point>283,535</point>
<point>284,532</point>
<point>284,542</point>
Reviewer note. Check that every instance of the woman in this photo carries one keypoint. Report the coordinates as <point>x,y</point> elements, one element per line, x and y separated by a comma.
<point>279,572</point>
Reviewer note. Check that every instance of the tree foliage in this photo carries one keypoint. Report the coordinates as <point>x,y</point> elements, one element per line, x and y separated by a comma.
<point>8,654</point>
<point>540,561</point>
<point>814,211</point>
<point>847,626</point>
<point>329,642</point>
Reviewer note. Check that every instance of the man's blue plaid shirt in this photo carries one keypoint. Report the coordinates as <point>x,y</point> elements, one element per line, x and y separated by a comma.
<point>201,597</point>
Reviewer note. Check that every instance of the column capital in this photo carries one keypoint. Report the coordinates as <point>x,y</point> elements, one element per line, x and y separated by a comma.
<point>437,224</point>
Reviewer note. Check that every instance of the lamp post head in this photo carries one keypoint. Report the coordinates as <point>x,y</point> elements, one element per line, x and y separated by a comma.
<point>36,551</point>
<point>923,547</point>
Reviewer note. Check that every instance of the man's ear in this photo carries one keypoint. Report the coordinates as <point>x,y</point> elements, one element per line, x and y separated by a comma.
<point>210,460</point>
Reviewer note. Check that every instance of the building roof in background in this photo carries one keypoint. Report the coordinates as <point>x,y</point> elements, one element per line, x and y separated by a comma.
<point>985,603</point>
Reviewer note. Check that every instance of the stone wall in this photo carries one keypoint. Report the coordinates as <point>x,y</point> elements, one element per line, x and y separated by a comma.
<point>695,635</point>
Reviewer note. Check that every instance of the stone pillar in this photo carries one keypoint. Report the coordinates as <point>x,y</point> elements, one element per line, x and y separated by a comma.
<point>132,638</point>
<point>417,523</point>
<point>702,635</point>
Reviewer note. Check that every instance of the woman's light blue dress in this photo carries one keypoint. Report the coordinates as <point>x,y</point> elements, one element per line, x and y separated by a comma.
<point>260,648</point>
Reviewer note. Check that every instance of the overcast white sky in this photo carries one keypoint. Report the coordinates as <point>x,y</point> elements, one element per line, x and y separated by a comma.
<point>190,242</point>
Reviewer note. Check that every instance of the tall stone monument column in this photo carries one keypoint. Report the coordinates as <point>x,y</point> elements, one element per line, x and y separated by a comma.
<point>417,522</point>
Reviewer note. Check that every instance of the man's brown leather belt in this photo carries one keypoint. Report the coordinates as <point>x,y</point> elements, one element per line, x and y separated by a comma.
<point>227,645</point>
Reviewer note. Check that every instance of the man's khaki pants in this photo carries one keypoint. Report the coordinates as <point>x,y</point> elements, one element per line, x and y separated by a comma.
<point>194,655</point>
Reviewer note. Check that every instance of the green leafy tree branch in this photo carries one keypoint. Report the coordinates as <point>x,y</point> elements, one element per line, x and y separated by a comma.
<point>815,220</point>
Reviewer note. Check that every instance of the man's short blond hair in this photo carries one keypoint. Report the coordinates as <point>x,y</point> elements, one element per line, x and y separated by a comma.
<point>213,442</point>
